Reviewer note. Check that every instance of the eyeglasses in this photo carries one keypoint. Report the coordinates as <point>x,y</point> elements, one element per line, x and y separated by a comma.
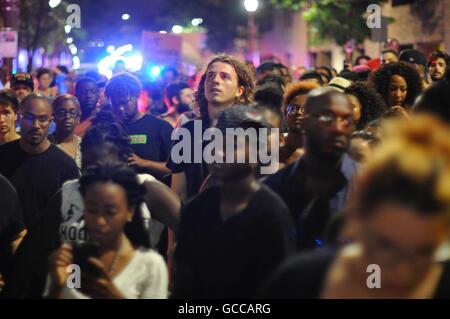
<point>63,113</point>
<point>330,118</point>
<point>293,108</point>
<point>43,120</point>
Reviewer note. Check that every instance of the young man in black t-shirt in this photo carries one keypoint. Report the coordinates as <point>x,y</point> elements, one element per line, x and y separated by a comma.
<point>36,168</point>
<point>150,136</point>
<point>234,234</point>
<point>226,82</point>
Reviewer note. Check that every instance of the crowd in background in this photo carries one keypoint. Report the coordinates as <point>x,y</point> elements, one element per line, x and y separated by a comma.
<point>87,177</point>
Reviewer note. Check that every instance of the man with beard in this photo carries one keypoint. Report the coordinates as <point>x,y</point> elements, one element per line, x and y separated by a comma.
<point>438,64</point>
<point>234,234</point>
<point>87,93</point>
<point>179,98</point>
<point>316,186</point>
<point>36,168</point>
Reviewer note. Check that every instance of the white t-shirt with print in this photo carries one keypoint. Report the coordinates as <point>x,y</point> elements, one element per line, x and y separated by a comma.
<point>72,226</point>
<point>145,277</point>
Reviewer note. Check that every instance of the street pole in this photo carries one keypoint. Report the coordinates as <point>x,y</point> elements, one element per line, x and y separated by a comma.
<point>253,39</point>
<point>10,13</point>
<point>253,51</point>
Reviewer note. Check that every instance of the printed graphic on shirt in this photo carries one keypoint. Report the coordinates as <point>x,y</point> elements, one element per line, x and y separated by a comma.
<point>72,226</point>
<point>72,222</point>
<point>138,139</point>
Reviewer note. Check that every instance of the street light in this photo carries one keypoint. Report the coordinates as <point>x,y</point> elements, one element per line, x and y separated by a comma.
<point>196,22</point>
<point>177,29</point>
<point>73,49</point>
<point>54,3</point>
<point>76,63</point>
<point>125,16</point>
<point>251,6</point>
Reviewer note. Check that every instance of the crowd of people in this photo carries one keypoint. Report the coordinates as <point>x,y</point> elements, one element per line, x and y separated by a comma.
<point>88,177</point>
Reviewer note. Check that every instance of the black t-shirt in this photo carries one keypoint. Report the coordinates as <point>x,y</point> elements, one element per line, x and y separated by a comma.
<point>303,277</point>
<point>232,258</point>
<point>150,140</point>
<point>196,170</point>
<point>35,177</point>
<point>11,221</point>
<point>311,212</point>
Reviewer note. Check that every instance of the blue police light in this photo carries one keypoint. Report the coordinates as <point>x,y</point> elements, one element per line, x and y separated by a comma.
<point>153,71</point>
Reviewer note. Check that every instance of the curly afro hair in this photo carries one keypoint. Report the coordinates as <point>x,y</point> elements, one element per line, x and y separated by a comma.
<point>381,79</point>
<point>372,104</point>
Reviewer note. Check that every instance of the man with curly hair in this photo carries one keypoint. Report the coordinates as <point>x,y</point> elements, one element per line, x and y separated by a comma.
<point>367,104</point>
<point>438,64</point>
<point>150,136</point>
<point>227,81</point>
<point>398,83</point>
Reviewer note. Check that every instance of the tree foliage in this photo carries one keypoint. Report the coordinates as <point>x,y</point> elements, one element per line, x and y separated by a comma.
<point>42,27</point>
<point>339,20</point>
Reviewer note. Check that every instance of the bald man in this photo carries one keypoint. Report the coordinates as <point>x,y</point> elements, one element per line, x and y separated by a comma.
<point>317,185</point>
<point>36,168</point>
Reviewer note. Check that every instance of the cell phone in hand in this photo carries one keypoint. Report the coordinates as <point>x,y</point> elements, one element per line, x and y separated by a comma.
<point>82,251</point>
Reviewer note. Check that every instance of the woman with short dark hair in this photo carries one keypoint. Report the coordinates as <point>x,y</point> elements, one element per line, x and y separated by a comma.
<point>67,112</point>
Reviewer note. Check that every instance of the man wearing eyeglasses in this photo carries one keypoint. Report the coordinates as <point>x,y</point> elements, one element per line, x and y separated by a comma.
<point>35,167</point>
<point>317,185</point>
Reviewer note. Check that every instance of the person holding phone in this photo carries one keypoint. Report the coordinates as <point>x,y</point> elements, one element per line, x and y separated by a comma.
<point>122,266</point>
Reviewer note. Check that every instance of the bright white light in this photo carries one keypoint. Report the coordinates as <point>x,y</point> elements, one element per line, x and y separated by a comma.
<point>76,63</point>
<point>132,59</point>
<point>54,3</point>
<point>125,16</point>
<point>196,22</point>
<point>121,50</point>
<point>110,48</point>
<point>133,62</point>
<point>177,29</point>
<point>105,66</point>
<point>155,71</point>
<point>69,40</point>
<point>162,31</point>
<point>251,5</point>
<point>73,49</point>
<point>67,28</point>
